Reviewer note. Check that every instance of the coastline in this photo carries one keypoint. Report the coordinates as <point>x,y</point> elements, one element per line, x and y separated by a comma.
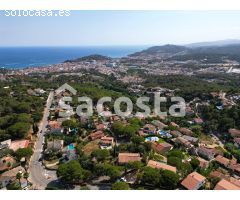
<point>17,58</point>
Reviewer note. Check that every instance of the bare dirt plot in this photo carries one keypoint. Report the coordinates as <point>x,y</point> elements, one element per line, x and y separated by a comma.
<point>90,147</point>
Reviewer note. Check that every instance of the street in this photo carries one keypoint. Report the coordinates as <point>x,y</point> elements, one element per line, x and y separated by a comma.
<point>38,175</point>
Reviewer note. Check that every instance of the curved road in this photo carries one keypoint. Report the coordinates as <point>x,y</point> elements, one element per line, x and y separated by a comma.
<point>38,175</point>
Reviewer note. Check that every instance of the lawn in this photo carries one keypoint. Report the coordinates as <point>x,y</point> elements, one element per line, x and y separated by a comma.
<point>90,147</point>
<point>161,140</point>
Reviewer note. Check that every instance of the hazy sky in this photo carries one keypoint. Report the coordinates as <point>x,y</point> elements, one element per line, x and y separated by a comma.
<point>84,28</point>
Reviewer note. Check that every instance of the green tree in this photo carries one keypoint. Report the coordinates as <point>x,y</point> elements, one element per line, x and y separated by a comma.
<point>23,107</point>
<point>26,175</point>
<point>120,186</point>
<point>195,163</point>
<point>150,176</point>
<point>137,139</point>
<point>169,179</point>
<point>72,172</point>
<point>24,152</point>
<point>176,153</point>
<point>14,186</point>
<point>35,128</point>
<point>174,161</point>
<point>105,169</point>
<point>18,176</point>
<point>19,130</point>
<point>135,165</point>
<point>100,154</point>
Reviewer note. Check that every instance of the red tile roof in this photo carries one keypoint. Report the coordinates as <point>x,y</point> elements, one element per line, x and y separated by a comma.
<point>234,132</point>
<point>198,120</point>
<point>161,147</point>
<point>186,131</point>
<point>226,185</point>
<point>237,140</point>
<point>54,124</point>
<point>222,160</point>
<point>192,181</point>
<point>17,144</point>
<point>106,140</point>
<point>128,157</point>
<point>159,165</point>
<point>96,135</point>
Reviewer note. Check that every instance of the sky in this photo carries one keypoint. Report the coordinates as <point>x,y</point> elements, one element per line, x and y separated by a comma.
<point>110,28</point>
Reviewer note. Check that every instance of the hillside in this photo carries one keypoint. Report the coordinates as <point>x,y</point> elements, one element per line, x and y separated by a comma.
<point>174,52</point>
<point>89,58</point>
<point>161,50</point>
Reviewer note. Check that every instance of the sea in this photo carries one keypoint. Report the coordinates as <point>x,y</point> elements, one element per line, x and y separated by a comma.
<point>22,57</point>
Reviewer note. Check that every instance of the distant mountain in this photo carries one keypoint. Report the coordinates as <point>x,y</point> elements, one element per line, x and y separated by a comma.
<point>214,43</point>
<point>226,50</point>
<point>182,53</point>
<point>89,58</point>
<point>164,51</point>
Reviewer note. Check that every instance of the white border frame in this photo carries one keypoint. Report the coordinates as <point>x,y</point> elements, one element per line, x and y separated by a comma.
<point>120,4</point>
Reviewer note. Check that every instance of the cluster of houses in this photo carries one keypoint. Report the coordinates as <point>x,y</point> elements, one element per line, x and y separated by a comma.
<point>184,138</point>
<point>157,133</point>
<point>9,165</point>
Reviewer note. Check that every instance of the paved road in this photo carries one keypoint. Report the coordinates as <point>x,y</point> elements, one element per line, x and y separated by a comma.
<point>38,175</point>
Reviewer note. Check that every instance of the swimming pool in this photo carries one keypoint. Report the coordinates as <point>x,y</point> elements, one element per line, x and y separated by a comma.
<point>151,139</point>
<point>71,147</point>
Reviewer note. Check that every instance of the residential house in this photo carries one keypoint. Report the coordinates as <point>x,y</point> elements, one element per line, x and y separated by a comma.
<point>174,124</point>
<point>55,127</point>
<point>206,153</point>
<point>192,140</point>
<point>236,168</point>
<point>186,131</point>
<point>10,175</point>
<point>141,133</point>
<point>193,181</point>
<point>159,165</point>
<point>229,164</point>
<point>106,142</point>
<point>159,124</point>
<point>198,120</point>
<point>223,161</point>
<point>65,113</point>
<point>183,142</point>
<point>124,158</point>
<point>218,174</point>
<point>203,163</point>
<point>161,148</point>
<point>234,132</point>
<point>55,144</point>
<point>149,129</point>
<point>96,135</point>
<point>19,144</point>
<point>176,133</point>
<point>6,162</point>
<point>234,181</point>
<point>226,185</point>
<point>5,144</point>
<point>237,142</point>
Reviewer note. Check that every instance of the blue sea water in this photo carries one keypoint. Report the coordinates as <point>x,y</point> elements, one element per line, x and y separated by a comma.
<point>20,57</point>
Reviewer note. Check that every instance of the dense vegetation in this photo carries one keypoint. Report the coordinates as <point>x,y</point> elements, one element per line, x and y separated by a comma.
<point>18,111</point>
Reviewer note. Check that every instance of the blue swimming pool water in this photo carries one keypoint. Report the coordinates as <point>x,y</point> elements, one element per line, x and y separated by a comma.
<point>70,147</point>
